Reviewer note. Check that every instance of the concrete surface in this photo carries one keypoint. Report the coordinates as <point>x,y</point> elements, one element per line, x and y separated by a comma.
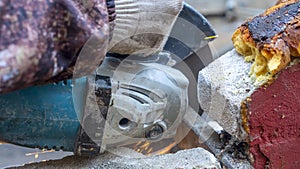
<point>222,86</point>
<point>187,159</point>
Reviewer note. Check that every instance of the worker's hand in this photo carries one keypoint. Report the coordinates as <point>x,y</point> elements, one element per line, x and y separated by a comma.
<point>143,26</point>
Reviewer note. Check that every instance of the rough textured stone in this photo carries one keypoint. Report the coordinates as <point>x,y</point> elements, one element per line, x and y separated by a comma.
<point>190,159</point>
<point>222,86</point>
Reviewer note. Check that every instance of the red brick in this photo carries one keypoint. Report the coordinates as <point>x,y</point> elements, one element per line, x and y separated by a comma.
<point>274,121</point>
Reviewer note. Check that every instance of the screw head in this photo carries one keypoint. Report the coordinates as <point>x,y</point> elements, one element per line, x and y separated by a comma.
<point>155,132</point>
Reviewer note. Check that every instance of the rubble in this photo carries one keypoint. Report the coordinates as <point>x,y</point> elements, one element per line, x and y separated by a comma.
<point>226,153</point>
<point>186,159</point>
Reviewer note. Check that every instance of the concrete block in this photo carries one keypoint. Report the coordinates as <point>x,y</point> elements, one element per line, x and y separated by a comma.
<point>222,87</point>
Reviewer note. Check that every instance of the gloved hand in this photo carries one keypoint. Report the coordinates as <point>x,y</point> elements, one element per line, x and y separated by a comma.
<point>143,26</point>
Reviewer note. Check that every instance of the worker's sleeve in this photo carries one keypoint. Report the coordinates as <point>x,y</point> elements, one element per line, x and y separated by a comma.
<point>50,40</point>
<point>143,26</point>
<point>41,40</point>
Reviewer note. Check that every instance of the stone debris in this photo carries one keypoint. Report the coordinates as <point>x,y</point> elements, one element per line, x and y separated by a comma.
<point>197,158</point>
<point>209,135</point>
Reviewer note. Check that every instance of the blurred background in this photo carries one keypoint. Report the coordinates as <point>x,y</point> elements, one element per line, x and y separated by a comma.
<point>224,15</point>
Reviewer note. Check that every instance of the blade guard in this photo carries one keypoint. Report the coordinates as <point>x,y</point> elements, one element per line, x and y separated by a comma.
<point>190,33</point>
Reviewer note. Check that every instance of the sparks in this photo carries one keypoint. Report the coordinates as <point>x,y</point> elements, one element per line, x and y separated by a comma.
<point>36,154</point>
<point>166,149</point>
